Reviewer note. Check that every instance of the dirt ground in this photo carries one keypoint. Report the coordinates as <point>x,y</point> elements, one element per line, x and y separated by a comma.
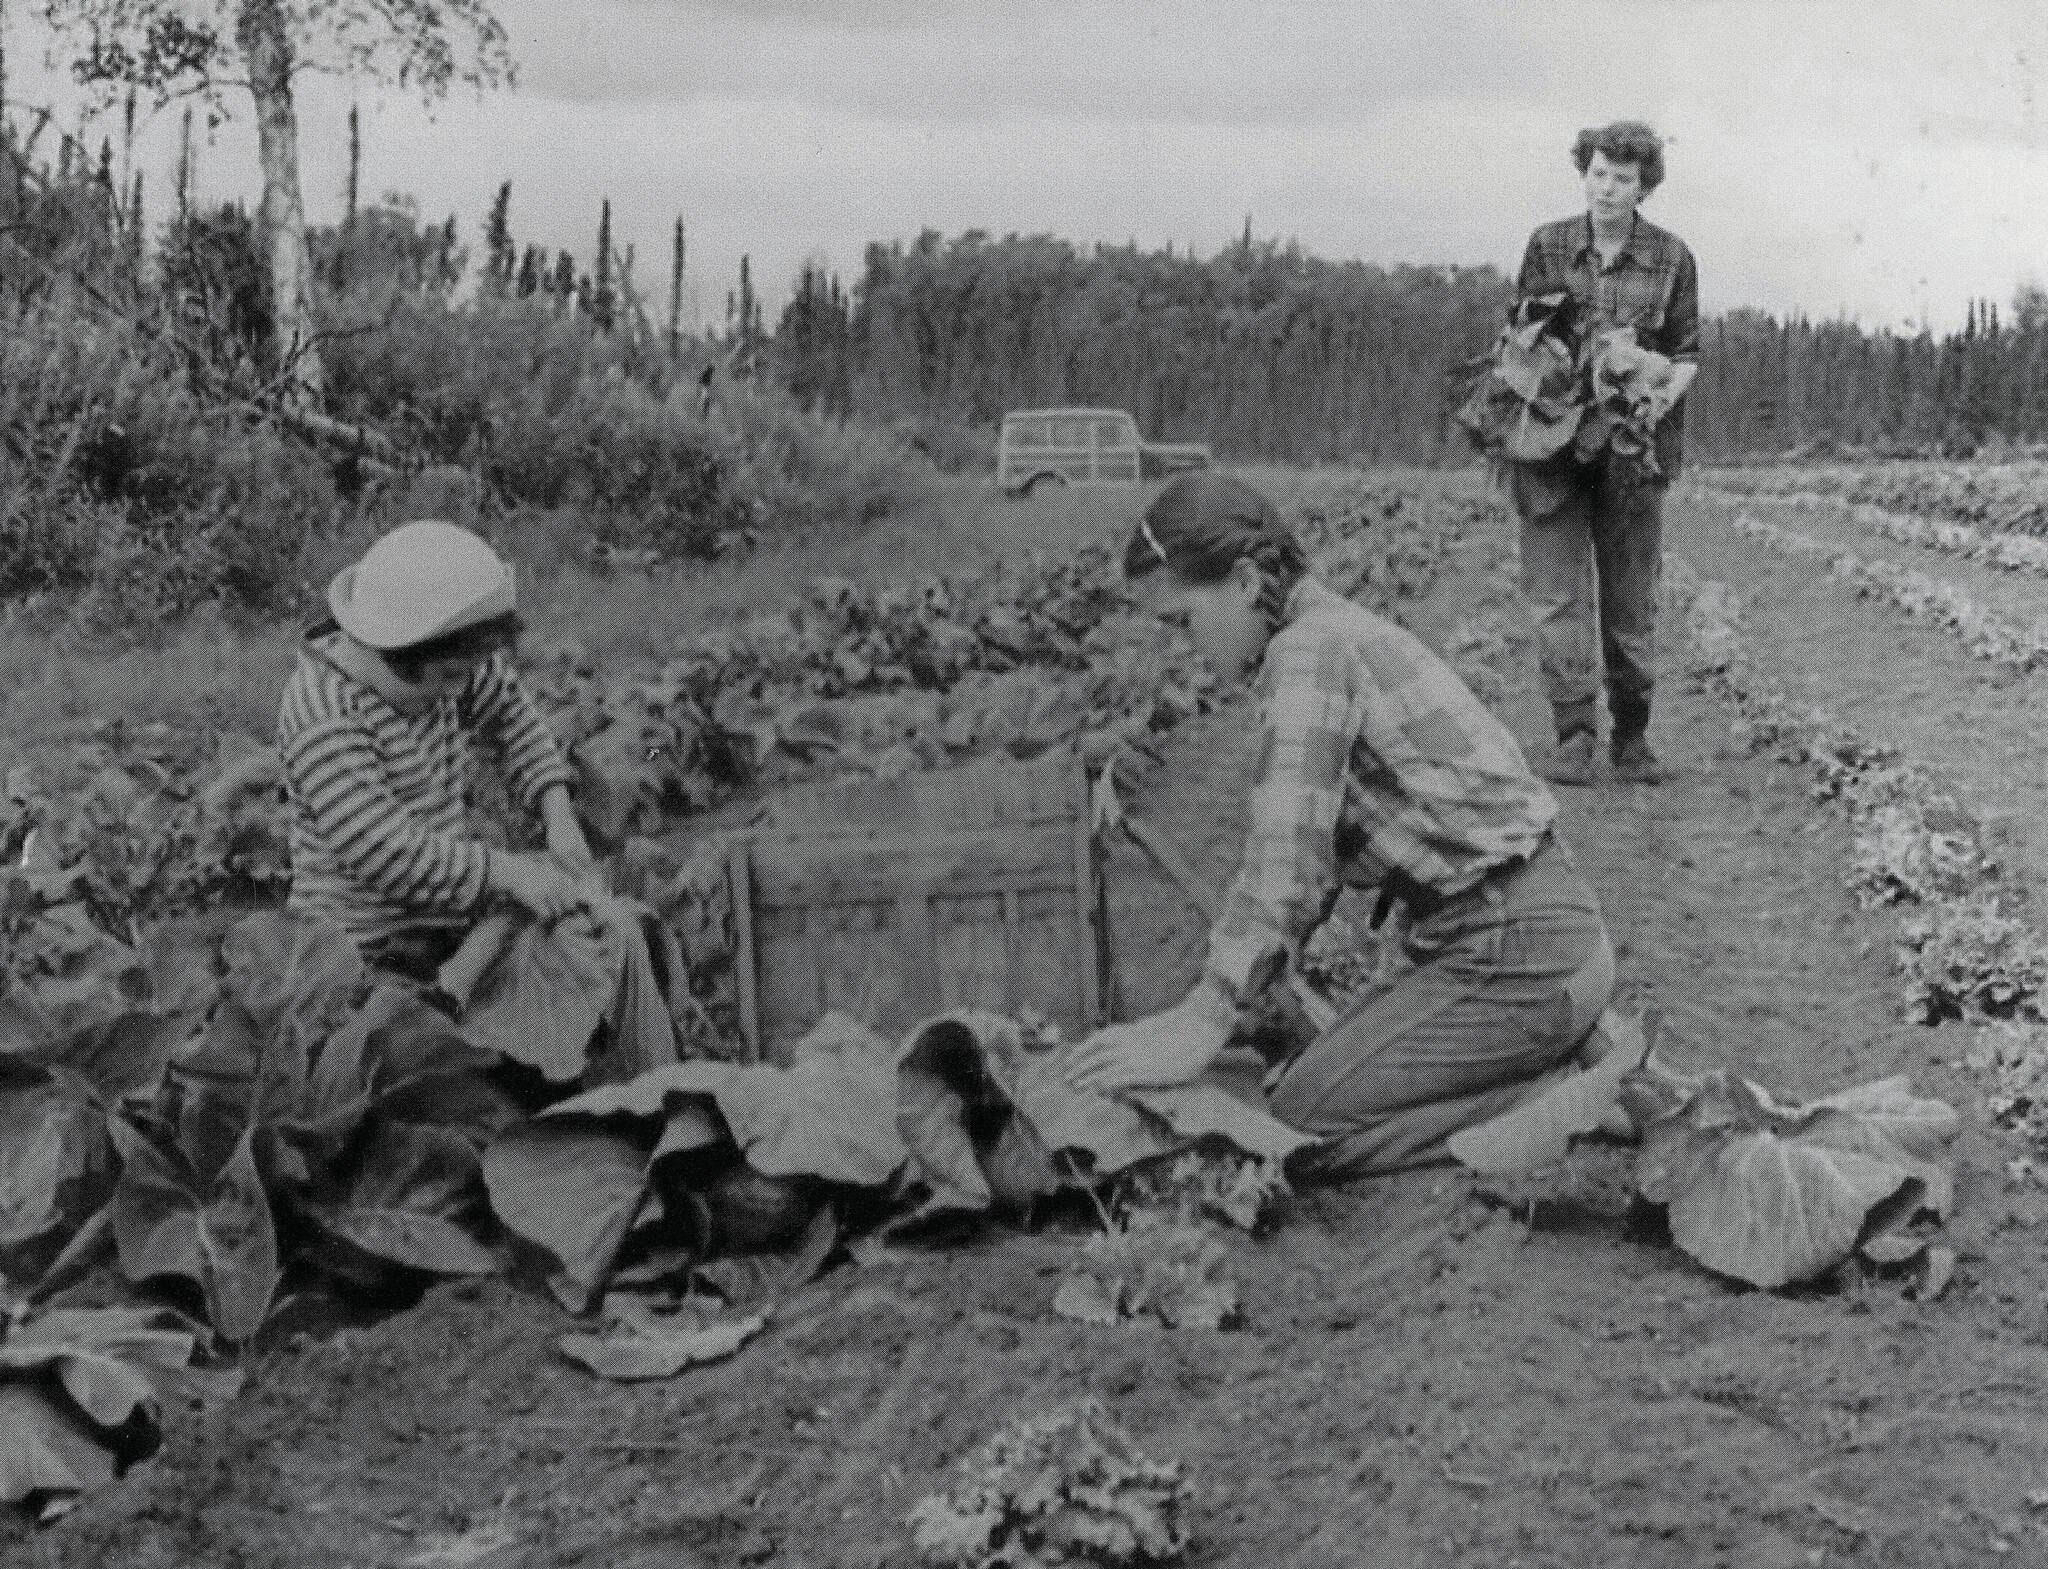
<point>1431,1372</point>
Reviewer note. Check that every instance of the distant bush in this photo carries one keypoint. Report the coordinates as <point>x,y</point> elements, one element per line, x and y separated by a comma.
<point>126,481</point>
<point>554,414</point>
<point>951,448</point>
<point>146,466</point>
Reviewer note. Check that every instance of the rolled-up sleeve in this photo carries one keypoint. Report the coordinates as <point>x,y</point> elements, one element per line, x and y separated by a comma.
<point>1308,706</point>
<point>502,712</point>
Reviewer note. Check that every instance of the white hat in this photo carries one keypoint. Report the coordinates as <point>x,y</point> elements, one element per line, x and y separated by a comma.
<point>419,582</point>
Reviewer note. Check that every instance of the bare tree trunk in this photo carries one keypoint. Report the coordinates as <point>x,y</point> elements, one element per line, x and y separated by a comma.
<point>10,194</point>
<point>675,297</point>
<point>267,47</point>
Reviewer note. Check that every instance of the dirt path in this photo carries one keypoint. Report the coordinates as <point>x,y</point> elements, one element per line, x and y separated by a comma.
<point>1897,680</point>
<point>1431,1374</point>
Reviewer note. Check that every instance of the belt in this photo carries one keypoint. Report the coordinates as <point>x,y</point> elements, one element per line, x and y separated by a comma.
<point>1422,901</point>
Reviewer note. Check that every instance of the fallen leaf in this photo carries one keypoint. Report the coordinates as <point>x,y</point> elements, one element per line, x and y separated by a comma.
<point>645,1344</point>
<point>1773,1194</point>
<point>571,1191</point>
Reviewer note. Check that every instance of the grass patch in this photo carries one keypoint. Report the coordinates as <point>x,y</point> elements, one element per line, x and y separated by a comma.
<point>221,673</point>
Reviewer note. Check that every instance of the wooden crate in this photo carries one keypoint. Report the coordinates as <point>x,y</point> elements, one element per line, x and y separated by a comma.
<point>892,900</point>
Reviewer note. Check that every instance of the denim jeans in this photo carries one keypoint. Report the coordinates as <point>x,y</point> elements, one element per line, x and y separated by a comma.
<point>1509,979</point>
<point>1592,550</point>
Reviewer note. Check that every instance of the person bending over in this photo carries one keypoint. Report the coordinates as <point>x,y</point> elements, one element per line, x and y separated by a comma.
<point>378,728</point>
<point>1378,768</point>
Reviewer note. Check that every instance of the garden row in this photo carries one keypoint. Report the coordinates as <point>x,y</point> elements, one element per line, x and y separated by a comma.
<point>2006,552</point>
<point>133,827</point>
<point>2001,497</point>
<point>1965,949</point>
<point>216,1118</point>
<point>1984,634</point>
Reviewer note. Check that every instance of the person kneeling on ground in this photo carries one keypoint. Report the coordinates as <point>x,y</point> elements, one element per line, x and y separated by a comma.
<point>1379,768</point>
<point>378,728</point>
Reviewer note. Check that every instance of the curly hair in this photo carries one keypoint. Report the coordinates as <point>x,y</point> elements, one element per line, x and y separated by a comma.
<point>1624,141</point>
<point>1202,524</point>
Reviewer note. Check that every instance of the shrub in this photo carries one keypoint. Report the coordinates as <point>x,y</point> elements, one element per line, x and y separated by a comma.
<point>645,475</point>
<point>558,415</point>
<point>128,474</point>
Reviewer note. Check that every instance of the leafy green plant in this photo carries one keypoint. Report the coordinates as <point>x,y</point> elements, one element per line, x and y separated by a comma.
<point>1245,1191</point>
<point>1069,1488</point>
<point>2013,1056</point>
<point>1774,1194</point>
<point>83,1392</point>
<point>1969,957</point>
<point>292,1110</point>
<point>1558,382</point>
<point>1150,1267</point>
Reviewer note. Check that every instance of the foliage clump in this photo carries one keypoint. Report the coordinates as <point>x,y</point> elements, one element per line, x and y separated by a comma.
<point>1968,957</point>
<point>1066,1489</point>
<point>1152,1267</point>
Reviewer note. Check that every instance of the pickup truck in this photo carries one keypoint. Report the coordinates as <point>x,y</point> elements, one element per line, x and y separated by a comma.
<point>1040,448</point>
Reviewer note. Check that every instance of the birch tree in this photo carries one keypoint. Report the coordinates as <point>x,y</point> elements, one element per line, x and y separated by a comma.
<point>217,48</point>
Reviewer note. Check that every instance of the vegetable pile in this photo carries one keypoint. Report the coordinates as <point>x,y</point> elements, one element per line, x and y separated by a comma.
<point>1560,387</point>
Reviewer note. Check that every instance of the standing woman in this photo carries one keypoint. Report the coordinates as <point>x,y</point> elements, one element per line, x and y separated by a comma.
<point>1379,768</point>
<point>1592,536</point>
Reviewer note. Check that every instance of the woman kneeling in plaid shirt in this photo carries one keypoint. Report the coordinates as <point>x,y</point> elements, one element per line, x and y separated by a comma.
<point>1379,769</point>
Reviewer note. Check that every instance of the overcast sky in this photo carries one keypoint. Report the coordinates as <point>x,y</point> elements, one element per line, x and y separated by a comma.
<point>1873,157</point>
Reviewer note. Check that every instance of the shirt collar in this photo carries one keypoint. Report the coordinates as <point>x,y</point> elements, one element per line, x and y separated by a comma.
<point>1638,244</point>
<point>1305,596</point>
<point>364,667</point>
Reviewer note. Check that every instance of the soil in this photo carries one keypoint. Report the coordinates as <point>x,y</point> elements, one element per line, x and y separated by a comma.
<point>1433,1370</point>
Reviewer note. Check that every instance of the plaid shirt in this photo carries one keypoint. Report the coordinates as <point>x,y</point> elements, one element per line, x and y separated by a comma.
<point>1652,285</point>
<point>1376,757</point>
<point>379,827</point>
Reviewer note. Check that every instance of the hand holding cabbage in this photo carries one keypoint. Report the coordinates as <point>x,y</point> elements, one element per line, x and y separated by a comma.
<point>1559,388</point>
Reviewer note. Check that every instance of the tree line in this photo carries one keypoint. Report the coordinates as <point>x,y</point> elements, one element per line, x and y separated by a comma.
<point>1271,353</point>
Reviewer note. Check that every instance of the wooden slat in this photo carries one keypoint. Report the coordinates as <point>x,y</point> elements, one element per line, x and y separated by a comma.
<point>891,900</point>
<point>1084,896</point>
<point>826,870</point>
<point>990,792</point>
<point>741,886</point>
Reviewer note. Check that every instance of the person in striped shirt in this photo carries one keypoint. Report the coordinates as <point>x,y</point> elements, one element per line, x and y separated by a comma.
<point>378,729</point>
<point>1379,769</point>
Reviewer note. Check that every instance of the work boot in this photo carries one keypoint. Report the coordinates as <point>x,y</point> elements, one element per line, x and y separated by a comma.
<point>1635,762</point>
<point>1571,760</point>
